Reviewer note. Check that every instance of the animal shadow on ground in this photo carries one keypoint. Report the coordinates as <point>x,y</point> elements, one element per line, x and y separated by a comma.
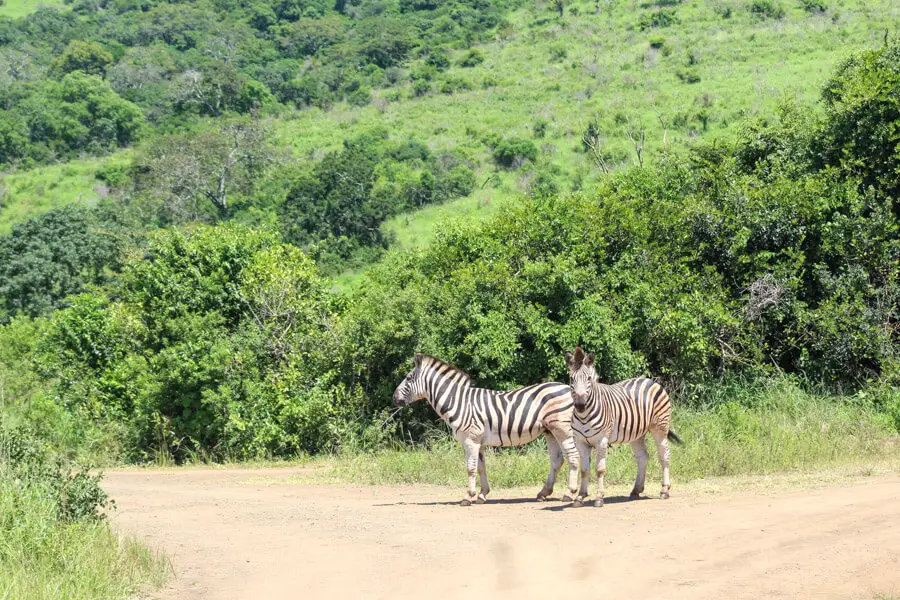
<point>552,503</point>
<point>590,502</point>
<point>456,502</point>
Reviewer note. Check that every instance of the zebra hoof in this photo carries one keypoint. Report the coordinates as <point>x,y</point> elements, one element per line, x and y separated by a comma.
<point>567,498</point>
<point>480,499</point>
<point>465,502</point>
<point>541,497</point>
<point>598,502</point>
<point>577,502</point>
<point>635,495</point>
<point>664,495</point>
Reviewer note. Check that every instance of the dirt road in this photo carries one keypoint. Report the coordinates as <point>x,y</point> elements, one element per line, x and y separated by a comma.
<point>242,534</point>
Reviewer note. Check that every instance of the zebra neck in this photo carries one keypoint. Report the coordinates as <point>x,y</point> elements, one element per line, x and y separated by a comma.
<point>601,411</point>
<point>447,394</point>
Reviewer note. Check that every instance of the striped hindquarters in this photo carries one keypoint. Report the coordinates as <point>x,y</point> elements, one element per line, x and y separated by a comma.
<point>637,406</point>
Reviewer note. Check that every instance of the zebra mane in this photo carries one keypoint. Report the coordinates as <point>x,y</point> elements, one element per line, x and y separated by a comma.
<point>450,368</point>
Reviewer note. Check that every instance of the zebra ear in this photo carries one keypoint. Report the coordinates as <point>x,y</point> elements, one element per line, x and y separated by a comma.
<point>589,359</point>
<point>417,361</point>
<point>569,359</point>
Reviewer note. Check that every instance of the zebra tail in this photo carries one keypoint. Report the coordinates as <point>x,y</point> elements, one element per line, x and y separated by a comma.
<point>674,437</point>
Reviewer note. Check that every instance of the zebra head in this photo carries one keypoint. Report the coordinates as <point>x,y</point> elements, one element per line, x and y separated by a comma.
<point>412,387</point>
<point>581,376</point>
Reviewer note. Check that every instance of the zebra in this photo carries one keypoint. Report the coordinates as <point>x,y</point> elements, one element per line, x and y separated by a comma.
<point>618,413</point>
<point>481,417</point>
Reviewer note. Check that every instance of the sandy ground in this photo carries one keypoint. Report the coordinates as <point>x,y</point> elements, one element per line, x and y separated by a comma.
<point>261,533</point>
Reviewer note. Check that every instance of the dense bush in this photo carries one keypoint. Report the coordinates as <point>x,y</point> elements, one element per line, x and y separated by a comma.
<point>513,151</point>
<point>767,9</point>
<point>28,464</point>
<point>336,209</point>
<point>814,6</point>
<point>664,17</point>
<point>48,258</point>
<point>79,113</point>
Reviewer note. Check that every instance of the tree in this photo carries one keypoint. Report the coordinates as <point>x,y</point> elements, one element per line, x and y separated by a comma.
<point>862,129</point>
<point>383,41</point>
<point>306,37</point>
<point>87,57</point>
<point>184,170</point>
<point>47,258</point>
<point>90,101</point>
<point>560,7</point>
<point>219,88</point>
<point>13,138</point>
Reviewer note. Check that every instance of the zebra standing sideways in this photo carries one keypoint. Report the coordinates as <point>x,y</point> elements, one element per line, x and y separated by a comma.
<point>480,417</point>
<point>620,413</point>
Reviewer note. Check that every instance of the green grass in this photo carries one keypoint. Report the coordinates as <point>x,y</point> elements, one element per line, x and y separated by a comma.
<point>43,558</point>
<point>784,430</point>
<point>19,8</point>
<point>25,194</point>
<point>747,67</point>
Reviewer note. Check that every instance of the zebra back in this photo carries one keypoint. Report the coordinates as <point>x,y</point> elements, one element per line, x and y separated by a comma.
<point>504,418</point>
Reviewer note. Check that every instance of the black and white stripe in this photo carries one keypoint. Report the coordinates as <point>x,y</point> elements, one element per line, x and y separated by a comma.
<point>481,417</point>
<point>620,413</point>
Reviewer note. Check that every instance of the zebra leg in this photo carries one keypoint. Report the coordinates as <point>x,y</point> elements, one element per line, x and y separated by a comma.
<point>602,447</point>
<point>482,472</point>
<point>662,447</point>
<point>556,461</point>
<point>584,452</point>
<point>473,449</point>
<point>567,443</point>
<point>641,456</point>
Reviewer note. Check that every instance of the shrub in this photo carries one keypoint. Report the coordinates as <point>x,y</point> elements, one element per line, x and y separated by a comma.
<point>512,151</point>
<point>688,75</point>
<point>47,258</point>
<point>77,496</point>
<point>767,9</point>
<point>472,58</point>
<point>438,59</point>
<point>814,6</point>
<point>420,87</point>
<point>451,85</point>
<point>362,96</point>
<point>540,127</point>
<point>657,41</point>
<point>664,17</point>
<point>558,53</point>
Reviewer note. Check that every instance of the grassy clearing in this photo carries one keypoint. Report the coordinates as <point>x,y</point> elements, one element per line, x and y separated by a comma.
<point>43,558</point>
<point>783,430</point>
<point>19,8</point>
<point>25,194</point>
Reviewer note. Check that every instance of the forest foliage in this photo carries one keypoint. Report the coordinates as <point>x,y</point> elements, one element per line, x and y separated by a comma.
<point>772,255</point>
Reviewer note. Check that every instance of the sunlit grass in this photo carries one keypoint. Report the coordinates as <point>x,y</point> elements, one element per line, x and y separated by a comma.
<point>779,429</point>
<point>19,8</point>
<point>43,558</point>
<point>28,193</point>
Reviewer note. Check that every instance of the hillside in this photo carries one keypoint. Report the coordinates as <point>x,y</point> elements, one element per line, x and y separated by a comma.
<point>701,71</point>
